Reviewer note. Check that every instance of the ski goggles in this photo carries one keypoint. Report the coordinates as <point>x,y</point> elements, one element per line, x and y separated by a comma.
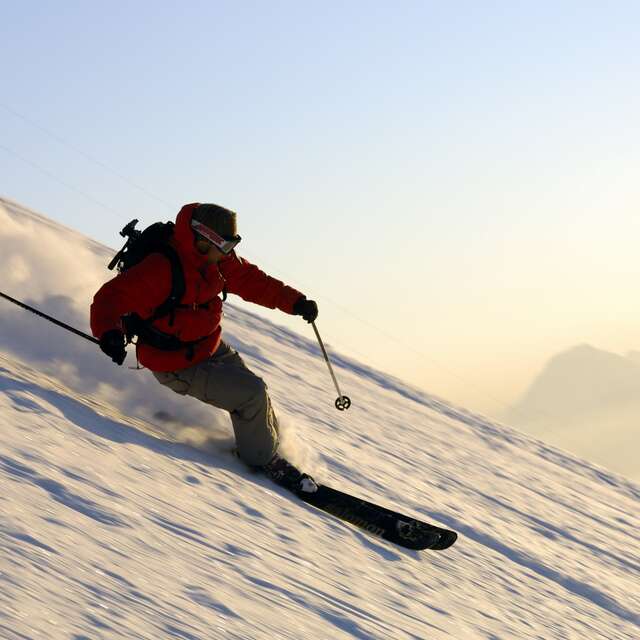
<point>225,245</point>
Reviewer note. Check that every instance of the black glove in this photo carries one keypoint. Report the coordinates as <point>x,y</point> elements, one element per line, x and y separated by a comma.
<point>308,309</point>
<point>112,343</point>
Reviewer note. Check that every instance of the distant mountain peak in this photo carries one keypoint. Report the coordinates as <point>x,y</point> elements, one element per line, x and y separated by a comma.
<point>584,399</point>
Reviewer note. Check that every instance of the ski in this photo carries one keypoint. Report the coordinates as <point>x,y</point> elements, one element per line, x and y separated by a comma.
<point>392,526</point>
<point>395,527</point>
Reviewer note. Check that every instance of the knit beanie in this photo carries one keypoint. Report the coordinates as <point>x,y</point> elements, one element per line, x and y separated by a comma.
<point>221,220</point>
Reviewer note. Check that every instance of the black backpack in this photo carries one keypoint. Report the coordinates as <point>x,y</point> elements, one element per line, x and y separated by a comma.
<point>156,239</point>
<point>140,244</point>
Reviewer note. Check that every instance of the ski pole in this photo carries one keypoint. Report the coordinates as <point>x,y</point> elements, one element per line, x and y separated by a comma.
<point>342,402</point>
<point>49,318</point>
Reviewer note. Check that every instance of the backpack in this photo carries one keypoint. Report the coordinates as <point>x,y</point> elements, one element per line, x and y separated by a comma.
<point>140,244</point>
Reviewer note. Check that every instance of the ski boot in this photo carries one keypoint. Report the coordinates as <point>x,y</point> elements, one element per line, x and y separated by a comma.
<point>282,472</point>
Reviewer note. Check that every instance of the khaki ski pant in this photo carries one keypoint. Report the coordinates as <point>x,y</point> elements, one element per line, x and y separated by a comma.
<point>224,381</point>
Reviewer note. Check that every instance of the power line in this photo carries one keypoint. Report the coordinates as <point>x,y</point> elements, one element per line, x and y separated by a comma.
<point>85,155</point>
<point>55,178</point>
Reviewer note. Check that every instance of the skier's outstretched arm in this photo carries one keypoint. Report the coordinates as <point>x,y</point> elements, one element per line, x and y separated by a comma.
<point>254,285</point>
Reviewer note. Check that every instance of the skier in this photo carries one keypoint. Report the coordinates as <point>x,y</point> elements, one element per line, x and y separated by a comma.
<point>184,349</point>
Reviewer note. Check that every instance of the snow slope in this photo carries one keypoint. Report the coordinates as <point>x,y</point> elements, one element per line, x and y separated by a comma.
<point>119,527</point>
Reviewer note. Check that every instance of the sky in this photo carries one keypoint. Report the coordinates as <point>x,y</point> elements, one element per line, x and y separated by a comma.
<point>456,186</point>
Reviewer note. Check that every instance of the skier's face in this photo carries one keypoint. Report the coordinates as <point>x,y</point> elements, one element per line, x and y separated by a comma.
<point>209,250</point>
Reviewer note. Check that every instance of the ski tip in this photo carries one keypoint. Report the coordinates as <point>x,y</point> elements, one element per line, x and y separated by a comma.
<point>445,540</point>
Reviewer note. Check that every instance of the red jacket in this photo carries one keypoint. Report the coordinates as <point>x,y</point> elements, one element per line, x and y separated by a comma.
<point>145,286</point>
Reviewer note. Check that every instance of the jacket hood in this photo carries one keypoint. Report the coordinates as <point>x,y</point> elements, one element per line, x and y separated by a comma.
<point>184,236</point>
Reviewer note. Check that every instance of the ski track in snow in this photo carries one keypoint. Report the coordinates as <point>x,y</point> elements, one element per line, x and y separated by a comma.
<point>112,528</point>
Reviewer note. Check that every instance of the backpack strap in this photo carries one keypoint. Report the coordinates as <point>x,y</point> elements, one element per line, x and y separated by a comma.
<point>178,286</point>
<point>136,326</point>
